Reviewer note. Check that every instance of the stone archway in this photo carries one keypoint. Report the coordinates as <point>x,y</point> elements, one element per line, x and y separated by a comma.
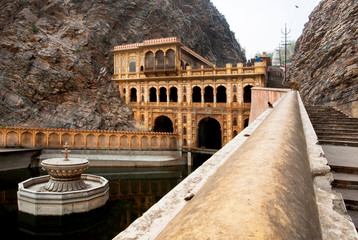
<point>247,94</point>
<point>209,133</point>
<point>163,124</point>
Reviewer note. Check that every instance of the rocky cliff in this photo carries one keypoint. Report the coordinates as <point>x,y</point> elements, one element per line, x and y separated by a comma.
<point>56,65</point>
<point>326,59</point>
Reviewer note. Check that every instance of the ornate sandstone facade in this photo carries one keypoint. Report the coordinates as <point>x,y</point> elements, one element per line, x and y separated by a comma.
<point>173,89</point>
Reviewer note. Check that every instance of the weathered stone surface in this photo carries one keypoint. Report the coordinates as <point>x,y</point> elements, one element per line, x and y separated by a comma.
<point>55,64</point>
<point>326,59</point>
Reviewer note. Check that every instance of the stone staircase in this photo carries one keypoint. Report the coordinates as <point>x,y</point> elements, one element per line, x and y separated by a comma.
<point>335,128</point>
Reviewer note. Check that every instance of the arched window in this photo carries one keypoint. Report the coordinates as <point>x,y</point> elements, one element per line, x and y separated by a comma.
<point>142,117</point>
<point>234,99</point>
<point>234,121</point>
<point>184,119</point>
<point>196,94</point>
<point>162,94</point>
<point>132,67</point>
<point>170,63</point>
<point>159,57</point>
<point>221,94</point>
<point>208,94</point>
<point>152,94</point>
<point>173,96</point>
<point>133,96</point>
<point>184,98</point>
<point>234,88</point>
<point>184,89</point>
<point>142,98</point>
<point>149,61</point>
<point>247,94</point>
<point>184,142</point>
<point>184,130</point>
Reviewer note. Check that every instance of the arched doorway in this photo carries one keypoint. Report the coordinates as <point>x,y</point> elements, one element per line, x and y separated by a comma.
<point>162,94</point>
<point>196,94</point>
<point>163,124</point>
<point>133,96</point>
<point>209,133</point>
<point>221,94</point>
<point>173,95</point>
<point>247,94</point>
<point>152,94</point>
<point>208,94</point>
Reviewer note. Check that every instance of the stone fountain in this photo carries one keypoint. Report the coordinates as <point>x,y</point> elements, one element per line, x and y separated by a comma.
<point>65,190</point>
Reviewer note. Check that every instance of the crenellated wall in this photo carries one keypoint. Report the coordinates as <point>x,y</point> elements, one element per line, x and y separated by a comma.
<point>270,182</point>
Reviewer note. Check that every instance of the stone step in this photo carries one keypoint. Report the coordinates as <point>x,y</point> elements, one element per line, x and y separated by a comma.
<point>334,119</point>
<point>350,197</point>
<point>341,122</point>
<point>345,180</point>
<point>344,169</point>
<point>354,215</point>
<point>335,126</point>
<point>342,131</point>
<point>338,142</point>
<point>336,137</point>
<point>326,112</point>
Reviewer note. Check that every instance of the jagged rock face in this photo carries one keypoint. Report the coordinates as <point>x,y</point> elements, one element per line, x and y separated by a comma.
<point>326,58</point>
<point>56,65</point>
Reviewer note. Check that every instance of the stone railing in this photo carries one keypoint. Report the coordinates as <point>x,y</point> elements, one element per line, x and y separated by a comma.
<point>85,139</point>
<point>270,182</point>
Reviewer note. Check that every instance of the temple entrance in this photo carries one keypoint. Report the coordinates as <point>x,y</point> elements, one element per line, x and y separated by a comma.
<point>163,124</point>
<point>209,133</point>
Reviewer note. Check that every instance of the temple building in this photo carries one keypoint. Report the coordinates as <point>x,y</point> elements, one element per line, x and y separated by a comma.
<point>173,89</point>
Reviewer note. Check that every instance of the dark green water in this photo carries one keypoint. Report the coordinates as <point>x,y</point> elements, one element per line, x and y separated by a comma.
<point>132,192</point>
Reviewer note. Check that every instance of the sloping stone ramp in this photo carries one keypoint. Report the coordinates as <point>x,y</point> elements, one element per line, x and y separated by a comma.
<point>338,135</point>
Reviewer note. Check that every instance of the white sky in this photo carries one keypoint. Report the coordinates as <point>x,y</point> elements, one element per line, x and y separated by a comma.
<point>258,23</point>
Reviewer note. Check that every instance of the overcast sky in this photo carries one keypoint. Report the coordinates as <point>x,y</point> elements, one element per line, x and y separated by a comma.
<point>258,23</point>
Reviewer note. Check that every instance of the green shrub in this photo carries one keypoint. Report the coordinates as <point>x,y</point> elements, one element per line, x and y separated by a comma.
<point>104,39</point>
<point>34,28</point>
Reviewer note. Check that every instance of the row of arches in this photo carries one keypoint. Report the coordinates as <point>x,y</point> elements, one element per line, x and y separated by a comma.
<point>89,141</point>
<point>209,95</point>
<point>159,60</point>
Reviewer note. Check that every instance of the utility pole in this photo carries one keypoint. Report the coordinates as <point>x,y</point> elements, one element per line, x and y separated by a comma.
<point>285,44</point>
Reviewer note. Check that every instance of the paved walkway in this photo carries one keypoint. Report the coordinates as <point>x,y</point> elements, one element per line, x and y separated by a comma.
<point>341,155</point>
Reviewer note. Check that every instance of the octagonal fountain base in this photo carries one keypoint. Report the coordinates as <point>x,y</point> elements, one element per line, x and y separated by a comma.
<point>33,199</point>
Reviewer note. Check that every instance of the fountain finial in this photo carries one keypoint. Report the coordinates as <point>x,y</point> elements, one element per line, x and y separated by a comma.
<point>66,151</point>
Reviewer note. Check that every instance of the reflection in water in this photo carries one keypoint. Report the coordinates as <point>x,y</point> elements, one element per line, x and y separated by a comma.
<point>132,192</point>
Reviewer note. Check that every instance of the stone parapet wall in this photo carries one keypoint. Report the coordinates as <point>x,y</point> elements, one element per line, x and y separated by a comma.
<point>269,182</point>
<point>260,98</point>
<point>85,139</point>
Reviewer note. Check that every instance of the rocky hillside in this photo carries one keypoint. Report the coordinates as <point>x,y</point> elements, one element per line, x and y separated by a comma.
<point>56,65</point>
<point>326,59</point>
